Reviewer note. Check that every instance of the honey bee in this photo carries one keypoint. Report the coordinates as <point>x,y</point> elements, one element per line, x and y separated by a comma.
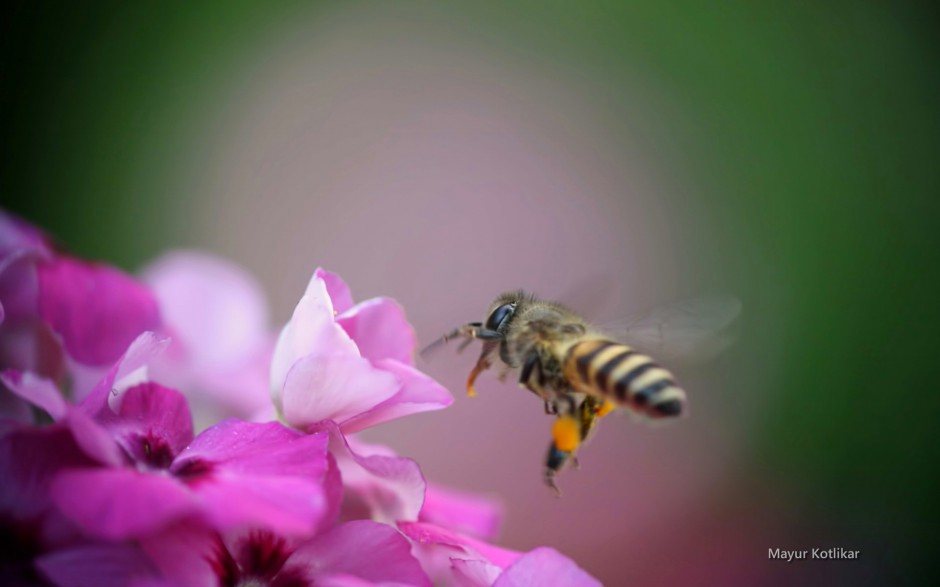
<point>581,372</point>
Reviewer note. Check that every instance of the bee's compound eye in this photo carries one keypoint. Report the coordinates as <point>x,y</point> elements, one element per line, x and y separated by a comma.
<point>499,316</point>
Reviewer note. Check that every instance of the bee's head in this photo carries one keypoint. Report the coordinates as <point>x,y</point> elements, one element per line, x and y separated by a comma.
<point>503,309</point>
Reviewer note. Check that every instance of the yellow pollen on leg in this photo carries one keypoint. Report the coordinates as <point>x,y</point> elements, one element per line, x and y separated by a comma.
<point>567,434</point>
<point>605,408</point>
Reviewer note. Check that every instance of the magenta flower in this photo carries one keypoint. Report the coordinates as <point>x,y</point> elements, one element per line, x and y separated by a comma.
<point>94,311</point>
<point>359,553</point>
<point>30,525</point>
<point>155,473</point>
<point>120,491</point>
<point>217,316</point>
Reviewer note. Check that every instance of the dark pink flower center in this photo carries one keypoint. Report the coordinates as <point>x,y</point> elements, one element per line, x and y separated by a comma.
<point>192,470</point>
<point>258,562</point>
<point>151,452</point>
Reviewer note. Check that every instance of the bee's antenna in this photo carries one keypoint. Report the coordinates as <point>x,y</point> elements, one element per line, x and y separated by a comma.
<point>468,331</point>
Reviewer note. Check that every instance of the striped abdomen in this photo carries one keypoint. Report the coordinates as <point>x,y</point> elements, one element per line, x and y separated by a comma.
<point>614,371</point>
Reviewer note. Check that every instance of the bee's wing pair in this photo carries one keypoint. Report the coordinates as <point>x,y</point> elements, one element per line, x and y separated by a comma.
<point>689,331</point>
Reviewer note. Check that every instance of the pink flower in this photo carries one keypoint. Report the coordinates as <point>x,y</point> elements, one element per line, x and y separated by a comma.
<point>93,310</point>
<point>351,364</point>
<point>155,473</point>
<point>217,316</point>
<point>30,525</point>
<point>453,558</point>
<point>340,368</point>
<point>359,553</point>
<point>476,515</point>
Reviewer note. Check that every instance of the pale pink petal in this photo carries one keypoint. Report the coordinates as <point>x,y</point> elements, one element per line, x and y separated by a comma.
<point>336,288</point>
<point>37,390</point>
<point>311,330</point>
<point>107,393</point>
<point>243,387</point>
<point>545,567</point>
<point>380,330</point>
<point>417,393</point>
<point>96,309</point>
<point>120,503</point>
<point>391,487</point>
<point>471,514</point>
<point>467,547</point>
<point>102,565</point>
<point>473,573</point>
<point>362,549</point>
<point>95,441</point>
<point>322,387</point>
<point>215,309</point>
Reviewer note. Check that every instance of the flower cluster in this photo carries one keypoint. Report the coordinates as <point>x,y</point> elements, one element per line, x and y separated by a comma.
<point>108,481</point>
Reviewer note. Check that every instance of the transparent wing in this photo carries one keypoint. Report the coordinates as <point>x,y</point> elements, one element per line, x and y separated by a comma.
<point>692,330</point>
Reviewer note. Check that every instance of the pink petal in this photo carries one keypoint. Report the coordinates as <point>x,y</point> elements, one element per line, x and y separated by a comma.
<point>545,567</point>
<point>30,458</point>
<point>333,388</point>
<point>97,309</point>
<point>140,352</point>
<point>102,565</point>
<point>214,308</point>
<point>184,552</point>
<point>19,285</point>
<point>120,503</point>
<point>391,487</point>
<point>380,330</point>
<point>17,234</point>
<point>362,549</point>
<point>240,389</point>
<point>417,393</point>
<point>37,390</point>
<point>94,439</point>
<point>336,288</point>
<point>429,534</point>
<point>261,474</point>
<point>150,410</point>
<point>259,449</point>
<point>474,573</point>
<point>310,331</point>
<point>464,512</point>
<point>291,506</point>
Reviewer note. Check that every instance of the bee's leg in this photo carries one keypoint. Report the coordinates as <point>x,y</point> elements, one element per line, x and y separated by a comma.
<point>504,373</point>
<point>555,461</point>
<point>532,377</point>
<point>469,332</point>
<point>483,363</point>
<point>566,437</point>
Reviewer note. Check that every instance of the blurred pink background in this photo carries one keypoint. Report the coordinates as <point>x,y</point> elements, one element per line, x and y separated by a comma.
<point>419,166</point>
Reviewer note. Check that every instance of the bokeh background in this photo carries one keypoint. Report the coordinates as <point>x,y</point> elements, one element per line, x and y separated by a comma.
<point>619,155</point>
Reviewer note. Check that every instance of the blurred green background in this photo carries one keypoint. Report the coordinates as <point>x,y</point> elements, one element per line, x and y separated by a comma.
<point>812,130</point>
